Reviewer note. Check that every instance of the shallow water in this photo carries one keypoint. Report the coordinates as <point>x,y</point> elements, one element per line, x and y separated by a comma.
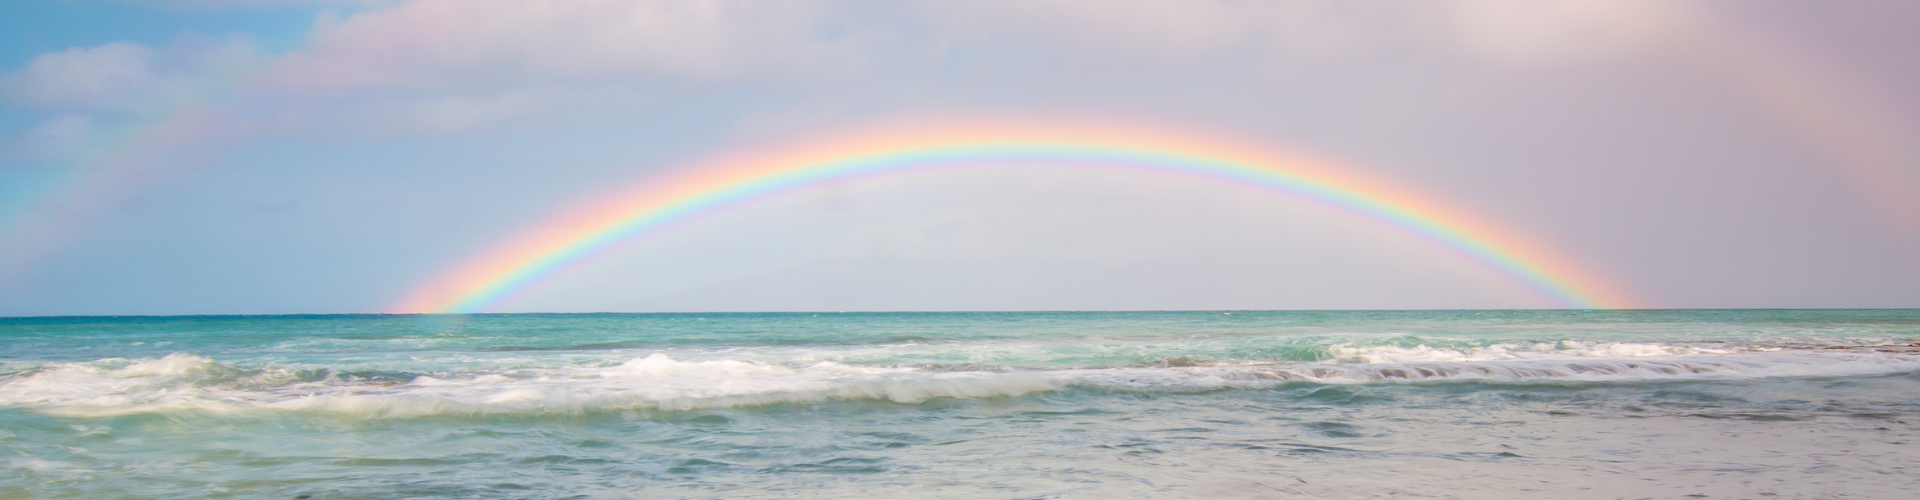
<point>1436,404</point>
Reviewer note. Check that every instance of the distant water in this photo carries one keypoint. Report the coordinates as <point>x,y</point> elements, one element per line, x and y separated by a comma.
<point>1452,404</point>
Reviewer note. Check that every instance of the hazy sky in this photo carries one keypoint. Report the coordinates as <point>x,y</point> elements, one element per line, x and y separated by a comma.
<point>236,156</point>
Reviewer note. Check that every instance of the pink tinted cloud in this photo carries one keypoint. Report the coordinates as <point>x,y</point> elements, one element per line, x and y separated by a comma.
<point>439,44</point>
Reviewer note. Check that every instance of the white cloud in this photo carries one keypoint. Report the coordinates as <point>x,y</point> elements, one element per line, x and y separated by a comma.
<point>447,66</point>
<point>436,44</point>
<point>439,67</point>
<point>107,76</point>
<point>125,76</point>
<point>1533,32</point>
<point>1146,28</point>
<point>451,113</point>
<point>1142,31</point>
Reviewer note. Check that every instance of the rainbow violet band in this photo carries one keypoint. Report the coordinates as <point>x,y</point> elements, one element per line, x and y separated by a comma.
<point>562,243</point>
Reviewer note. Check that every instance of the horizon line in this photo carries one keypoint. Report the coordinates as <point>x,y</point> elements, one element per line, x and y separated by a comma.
<point>955,311</point>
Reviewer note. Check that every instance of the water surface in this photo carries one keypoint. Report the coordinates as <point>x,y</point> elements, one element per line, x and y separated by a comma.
<point>1243,404</point>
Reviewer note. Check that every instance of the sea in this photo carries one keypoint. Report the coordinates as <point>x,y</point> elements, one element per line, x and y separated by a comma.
<point>1683,404</point>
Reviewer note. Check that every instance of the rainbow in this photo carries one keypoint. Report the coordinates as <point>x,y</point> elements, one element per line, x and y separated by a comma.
<point>561,243</point>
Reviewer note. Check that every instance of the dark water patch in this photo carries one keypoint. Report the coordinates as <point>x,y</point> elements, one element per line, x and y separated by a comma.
<point>697,466</point>
<point>842,465</point>
<point>398,462</point>
<point>269,461</point>
<point>360,377</point>
<point>1757,417</point>
<point>1522,394</point>
<point>746,454</point>
<point>398,487</point>
<point>561,460</point>
<point>1697,396</point>
<point>1134,446</point>
<point>1480,456</point>
<point>887,440</point>
<point>1308,449</point>
<point>949,367</point>
<point>836,405</point>
<point>1077,412</point>
<point>1333,429</point>
<point>1343,395</point>
<point>896,436</point>
<point>482,432</point>
<point>709,419</point>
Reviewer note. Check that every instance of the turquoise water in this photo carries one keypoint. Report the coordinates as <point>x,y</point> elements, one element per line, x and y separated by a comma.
<point>1243,404</point>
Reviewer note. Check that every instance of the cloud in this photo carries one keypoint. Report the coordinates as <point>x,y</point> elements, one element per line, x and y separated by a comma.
<point>1156,31</point>
<point>438,44</point>
<point>128,77</point>
<point>1144,28</point>
<point>452,113</point>
<point>227,5</point>
<point>51,137</point>
<point>1137,31</point>
<point>437,67</point>
<point>1534,32</point>
<point>107,95</point>
<point>106,76</point>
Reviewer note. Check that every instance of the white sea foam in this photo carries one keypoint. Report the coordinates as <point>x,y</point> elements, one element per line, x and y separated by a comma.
<point>184,382</point>
<point>1565,349</point>
<point>1508,371</point>
<point>135,384</point>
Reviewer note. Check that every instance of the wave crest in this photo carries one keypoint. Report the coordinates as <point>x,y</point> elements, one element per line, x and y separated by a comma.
<point>1566,349</point>
<point>186,383</point>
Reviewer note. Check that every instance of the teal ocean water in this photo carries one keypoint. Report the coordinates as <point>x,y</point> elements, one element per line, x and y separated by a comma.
<point>1423,404</point>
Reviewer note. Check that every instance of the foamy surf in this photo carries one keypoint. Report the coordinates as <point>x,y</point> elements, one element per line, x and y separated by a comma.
<point>184,382</point>
<point>188,383</point>
<point>1794,404</point>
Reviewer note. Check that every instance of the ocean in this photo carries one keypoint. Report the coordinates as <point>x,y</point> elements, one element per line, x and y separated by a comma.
<point>1220,404</point>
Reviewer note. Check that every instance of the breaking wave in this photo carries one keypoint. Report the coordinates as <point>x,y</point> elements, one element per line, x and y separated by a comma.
<point>183,382</point>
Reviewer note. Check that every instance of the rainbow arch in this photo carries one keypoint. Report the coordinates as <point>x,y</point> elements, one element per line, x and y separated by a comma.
<point>563,242</point>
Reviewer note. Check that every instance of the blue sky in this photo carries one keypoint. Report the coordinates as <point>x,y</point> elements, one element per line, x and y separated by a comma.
<point>227,156</point>
<point>31,28</point>
<point>28,29</point>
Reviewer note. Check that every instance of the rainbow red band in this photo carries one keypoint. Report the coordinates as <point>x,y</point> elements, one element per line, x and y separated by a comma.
<point>551,249</point>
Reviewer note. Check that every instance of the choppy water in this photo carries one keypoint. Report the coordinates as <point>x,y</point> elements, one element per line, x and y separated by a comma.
<point>1460,404</point>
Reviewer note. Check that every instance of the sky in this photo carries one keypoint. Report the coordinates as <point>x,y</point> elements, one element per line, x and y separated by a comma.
<point>273,157</point>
